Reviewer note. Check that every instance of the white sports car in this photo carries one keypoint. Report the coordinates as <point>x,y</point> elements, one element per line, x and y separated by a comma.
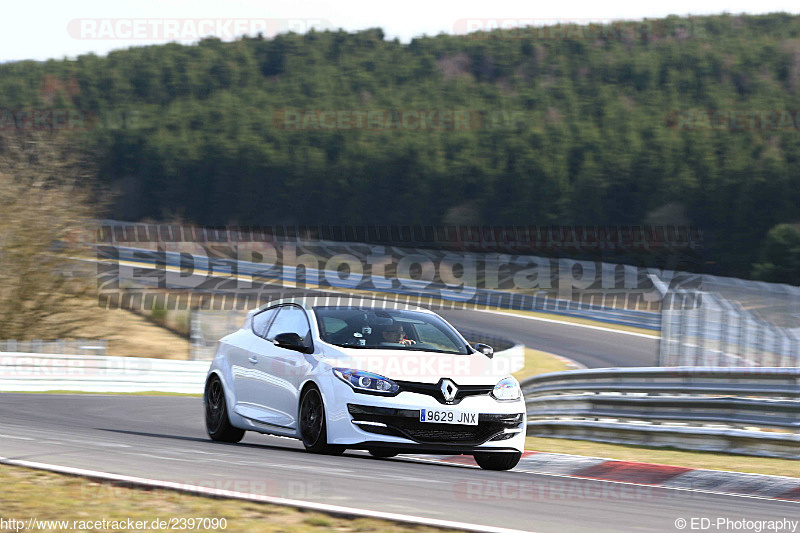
<point>360,374</point>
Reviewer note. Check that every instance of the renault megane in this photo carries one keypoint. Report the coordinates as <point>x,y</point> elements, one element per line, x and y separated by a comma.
<point>362,374</point>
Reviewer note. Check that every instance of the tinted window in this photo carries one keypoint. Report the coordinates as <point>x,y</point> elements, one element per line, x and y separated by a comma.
<point>387,329</point>
<point>332,325</point>
<point>430,334</point>
<point>261,321</point>
<point>290,319</point>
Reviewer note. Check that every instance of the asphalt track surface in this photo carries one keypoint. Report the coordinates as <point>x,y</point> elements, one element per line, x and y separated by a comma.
<point>164,438</point>
<point>590,347</point>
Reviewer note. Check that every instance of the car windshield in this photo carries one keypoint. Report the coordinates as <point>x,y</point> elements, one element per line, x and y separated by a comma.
<point>387,329</point>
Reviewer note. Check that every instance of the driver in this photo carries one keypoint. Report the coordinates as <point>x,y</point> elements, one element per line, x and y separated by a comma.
<point>396,335</point>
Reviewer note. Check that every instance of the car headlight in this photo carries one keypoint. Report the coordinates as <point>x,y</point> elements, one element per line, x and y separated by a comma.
<point>366,381</point>
<point>507,389</point>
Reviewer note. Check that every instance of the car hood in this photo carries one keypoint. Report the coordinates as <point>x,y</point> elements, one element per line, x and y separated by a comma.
<point>419,366</point>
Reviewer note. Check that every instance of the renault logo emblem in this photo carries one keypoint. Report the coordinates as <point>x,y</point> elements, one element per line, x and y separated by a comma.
<point>449,390</point>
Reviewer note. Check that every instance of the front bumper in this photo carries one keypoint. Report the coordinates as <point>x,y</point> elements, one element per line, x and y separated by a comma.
<point>365,421</point>
<point>405,423</point>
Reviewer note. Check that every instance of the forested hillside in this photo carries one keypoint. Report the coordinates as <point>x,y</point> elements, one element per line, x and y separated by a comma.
<point>581,128</point>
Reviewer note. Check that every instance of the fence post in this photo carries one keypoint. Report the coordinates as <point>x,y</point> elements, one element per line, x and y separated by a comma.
<point>696,328</point>
<point>683,349</point>
<point>794,348</point>
<point>663,343</point>
<point>724,331</point>
<point>196,334</point>
<point>761,343</point>
<point>742,337</point>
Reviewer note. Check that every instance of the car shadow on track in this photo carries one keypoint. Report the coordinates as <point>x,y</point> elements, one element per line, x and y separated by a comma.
<point>355,454</point>
<point>200,439</point>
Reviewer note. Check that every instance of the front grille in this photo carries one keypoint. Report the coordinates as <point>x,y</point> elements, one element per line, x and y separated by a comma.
<point>435,390</point>
<point>405,423</point>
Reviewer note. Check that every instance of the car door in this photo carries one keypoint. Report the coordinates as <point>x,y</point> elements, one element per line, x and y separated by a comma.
<point>281,370</point>
<point>244,363</point>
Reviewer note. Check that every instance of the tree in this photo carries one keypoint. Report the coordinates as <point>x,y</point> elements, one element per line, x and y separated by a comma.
<point>780,256</point>
<point>46,207</point>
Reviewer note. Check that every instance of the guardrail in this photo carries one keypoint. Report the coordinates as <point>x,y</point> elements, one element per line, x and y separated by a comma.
<point>63,346</point>
<point>753,411</point>
<point>48,372</point>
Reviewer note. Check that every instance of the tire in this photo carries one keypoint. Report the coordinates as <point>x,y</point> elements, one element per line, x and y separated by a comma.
<point>497,460</point>
<point>313,429</point>
<point>382,453</point>
<point>218,425</point>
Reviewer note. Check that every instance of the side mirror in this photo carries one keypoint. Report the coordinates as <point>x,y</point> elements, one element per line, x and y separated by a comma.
<point>290,341</point>
<point>485,349</point>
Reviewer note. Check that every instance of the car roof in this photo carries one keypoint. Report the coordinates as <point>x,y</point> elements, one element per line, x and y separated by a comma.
<point>309,302</point>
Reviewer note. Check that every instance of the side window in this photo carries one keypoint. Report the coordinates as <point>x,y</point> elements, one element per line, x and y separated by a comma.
<point>430,334</point>
<point>261,321</point>
<point>291,319</point>
<point>331,325</point>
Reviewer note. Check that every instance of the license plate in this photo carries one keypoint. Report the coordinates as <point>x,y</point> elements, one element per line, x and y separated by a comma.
<point>448,416</point>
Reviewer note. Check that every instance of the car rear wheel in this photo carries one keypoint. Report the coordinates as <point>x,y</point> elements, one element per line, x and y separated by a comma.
<point>313,430</point>
<point>218,425</point>
<point>497,460</point>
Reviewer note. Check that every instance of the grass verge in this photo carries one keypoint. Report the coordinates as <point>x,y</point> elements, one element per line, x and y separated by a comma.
<point>49,496</point>
<point>539,362</point>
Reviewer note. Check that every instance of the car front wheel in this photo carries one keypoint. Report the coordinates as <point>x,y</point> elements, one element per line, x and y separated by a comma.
<point>497,460</point>
<point>313,429</point>
<point>218,425</point>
